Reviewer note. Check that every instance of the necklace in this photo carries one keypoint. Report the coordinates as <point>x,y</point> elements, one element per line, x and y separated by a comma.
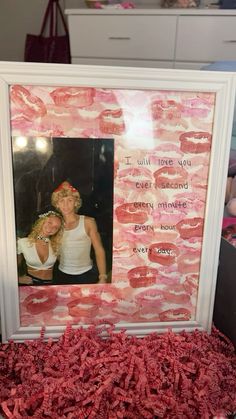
<point>45,239</point>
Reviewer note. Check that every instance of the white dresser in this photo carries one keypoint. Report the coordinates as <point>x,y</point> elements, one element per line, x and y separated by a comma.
<point>152,37</point>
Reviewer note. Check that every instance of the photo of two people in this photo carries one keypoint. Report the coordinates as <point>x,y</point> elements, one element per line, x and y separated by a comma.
<point>63,191</point>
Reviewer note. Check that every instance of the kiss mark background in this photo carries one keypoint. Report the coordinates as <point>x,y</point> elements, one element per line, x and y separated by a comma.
<point>162,152</point>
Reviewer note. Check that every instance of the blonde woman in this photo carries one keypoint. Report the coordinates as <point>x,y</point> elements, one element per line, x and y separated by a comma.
<point>79,236</point>
<point>40,249</point>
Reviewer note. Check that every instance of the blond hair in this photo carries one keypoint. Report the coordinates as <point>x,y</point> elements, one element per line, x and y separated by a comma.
<point>63,191</point>
<point>55,240</point>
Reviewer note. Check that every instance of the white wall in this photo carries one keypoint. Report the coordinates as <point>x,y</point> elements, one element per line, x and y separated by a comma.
<point>17,18</point>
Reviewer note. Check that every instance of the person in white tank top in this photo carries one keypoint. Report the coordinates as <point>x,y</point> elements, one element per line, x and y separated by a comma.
<point>80,234</point>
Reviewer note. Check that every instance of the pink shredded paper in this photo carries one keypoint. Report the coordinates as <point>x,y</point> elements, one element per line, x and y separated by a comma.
<point>83,375</point>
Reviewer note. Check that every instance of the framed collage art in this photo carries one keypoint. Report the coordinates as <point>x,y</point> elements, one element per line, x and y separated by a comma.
<point>147,153</point>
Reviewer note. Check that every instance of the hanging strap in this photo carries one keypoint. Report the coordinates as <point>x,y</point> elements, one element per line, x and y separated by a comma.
<point>47,15</point>
<point>62,16</point>
<point>51,17</point>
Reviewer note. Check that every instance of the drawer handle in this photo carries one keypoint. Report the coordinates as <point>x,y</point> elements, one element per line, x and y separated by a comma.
<point>230,41</point>
<point>119,38</point>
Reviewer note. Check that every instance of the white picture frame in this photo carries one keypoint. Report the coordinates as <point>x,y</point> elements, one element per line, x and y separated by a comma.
<point>220,85</point>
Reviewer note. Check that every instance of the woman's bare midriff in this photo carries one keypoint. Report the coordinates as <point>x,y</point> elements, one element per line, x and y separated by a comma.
<point>41,274</point>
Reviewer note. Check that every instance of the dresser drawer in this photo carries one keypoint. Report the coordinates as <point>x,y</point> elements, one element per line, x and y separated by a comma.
<point>120,36</point>
<point>206,38</point>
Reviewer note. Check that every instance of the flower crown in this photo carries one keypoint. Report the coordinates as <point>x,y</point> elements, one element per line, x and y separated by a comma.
<point>46,214</point>
<point>65,185</point>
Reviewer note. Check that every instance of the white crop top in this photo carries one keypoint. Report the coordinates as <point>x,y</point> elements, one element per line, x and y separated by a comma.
<point>75,250</point>
<point>31,256</point>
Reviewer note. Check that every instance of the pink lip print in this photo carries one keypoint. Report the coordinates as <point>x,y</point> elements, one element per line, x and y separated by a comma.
<point>31,106</point>
<point>179,314</point>
<point>142,276</point>
<point>41,301</point>
<point>195,142</point>
<point>163,253</point>
<point>128,213</point>
<point>168,177</point>
<point>190,227</point>
<point>167,109</point>
<point>111,122</point>
<point>73,96</point>
<point>132,175</point>
<point>84,306</point>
